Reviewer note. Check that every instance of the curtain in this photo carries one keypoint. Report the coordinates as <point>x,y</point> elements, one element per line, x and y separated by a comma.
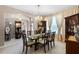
<point>59,19</point>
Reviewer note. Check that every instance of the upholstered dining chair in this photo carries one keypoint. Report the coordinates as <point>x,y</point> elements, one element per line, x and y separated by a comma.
<point>52,39</point>
<point>26,43</point>
<point>44,42</point>
<point>29,44</point>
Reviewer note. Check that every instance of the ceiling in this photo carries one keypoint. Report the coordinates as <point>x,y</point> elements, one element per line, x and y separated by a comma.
<point>43,10</point>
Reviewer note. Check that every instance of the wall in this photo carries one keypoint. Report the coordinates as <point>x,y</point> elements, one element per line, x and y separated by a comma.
<point>1,27</point>
<point>8,14</point>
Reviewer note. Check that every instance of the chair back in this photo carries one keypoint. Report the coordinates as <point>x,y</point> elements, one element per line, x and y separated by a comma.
<point>48,35</point>
<point>44,37</point>
<point>24,38</point>
<point>28,33</point>
<point>53,35</point>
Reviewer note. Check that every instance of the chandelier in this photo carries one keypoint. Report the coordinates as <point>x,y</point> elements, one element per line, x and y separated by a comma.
<point>39,17</point>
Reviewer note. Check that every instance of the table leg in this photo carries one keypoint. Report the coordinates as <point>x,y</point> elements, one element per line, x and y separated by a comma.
<point>35,44</point>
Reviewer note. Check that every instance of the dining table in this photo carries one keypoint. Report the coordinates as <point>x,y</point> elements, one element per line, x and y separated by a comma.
<point>36,38</point>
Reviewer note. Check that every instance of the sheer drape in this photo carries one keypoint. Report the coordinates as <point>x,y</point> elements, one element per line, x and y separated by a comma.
<point>59,19</point>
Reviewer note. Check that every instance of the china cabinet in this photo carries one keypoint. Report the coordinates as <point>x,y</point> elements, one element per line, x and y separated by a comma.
<point>72,34</point>
<point>71,24</point>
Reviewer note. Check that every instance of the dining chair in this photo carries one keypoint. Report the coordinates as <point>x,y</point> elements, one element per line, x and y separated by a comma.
<point>48,37</point>
<point>29,43</point>
<point>26,43</point>
<point>52,39</point>
<point>43,42</point>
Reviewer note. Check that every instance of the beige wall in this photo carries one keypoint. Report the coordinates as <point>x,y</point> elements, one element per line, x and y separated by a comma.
<point>1,27</point>
<point>7,12</point>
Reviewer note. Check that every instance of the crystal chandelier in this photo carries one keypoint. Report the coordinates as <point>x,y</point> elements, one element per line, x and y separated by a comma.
<point>39,17</point>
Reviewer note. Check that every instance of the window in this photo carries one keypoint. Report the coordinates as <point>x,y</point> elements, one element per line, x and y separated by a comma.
<point>54,27</point>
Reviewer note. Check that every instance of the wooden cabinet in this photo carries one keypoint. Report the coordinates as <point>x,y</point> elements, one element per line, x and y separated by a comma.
<point>70,22</point>
<point>72,47</point>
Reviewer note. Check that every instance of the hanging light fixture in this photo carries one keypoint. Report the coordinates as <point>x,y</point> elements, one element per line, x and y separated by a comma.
<point>39,17</point>
<point>38,11</point>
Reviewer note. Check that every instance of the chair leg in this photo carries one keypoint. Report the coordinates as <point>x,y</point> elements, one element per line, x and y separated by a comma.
<point>23,48</point>
<point>26,49</point>
<point>35,45</point>
<point>51,44</point>
<point>48,45</point>
<point>44,49</point>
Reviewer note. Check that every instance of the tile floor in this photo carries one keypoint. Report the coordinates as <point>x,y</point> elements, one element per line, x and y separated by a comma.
<point>15,47</point>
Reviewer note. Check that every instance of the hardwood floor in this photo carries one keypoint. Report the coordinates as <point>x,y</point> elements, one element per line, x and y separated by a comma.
<point>15,47</point>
